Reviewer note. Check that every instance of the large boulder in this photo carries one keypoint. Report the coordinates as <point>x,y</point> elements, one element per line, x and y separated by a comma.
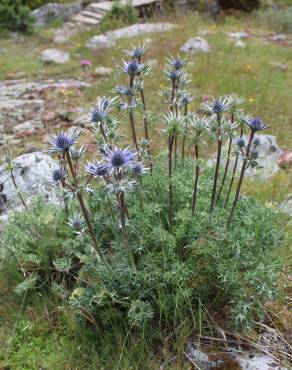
<point>269,153</point>
<point>55,56</point>
<point>108,39</point>
<point>54,11</point>
<point>32,173</point>
<point>196,45</point>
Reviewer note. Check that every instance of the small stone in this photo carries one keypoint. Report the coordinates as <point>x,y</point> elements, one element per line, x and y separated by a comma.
<point>280,37</point>
<point>103,71</point>
<point>196,45</point>
<point>279,66</point>
<point>285,160</point>
<point>240,44</point>
<point>99,42</point>
<point>286,206</point>
<point>55,56</point>
<point>238,35</point>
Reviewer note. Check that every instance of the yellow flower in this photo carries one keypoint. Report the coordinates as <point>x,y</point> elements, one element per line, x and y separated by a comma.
<point>251,100</point>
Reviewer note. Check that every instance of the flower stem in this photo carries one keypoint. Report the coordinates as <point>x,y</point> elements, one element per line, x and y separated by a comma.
<point>146,129</point>
<point>170,185</point>
<point>194,200</point>
<point>233,175</point>
<point>17,190</point>
<point>131,116</point>
<point>184,139</point>
<point>240,179</point>
<point>85,212</point>
<point>219,148</point>
<point>226,168</point>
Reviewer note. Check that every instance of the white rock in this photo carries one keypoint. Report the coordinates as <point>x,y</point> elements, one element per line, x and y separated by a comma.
<point>269,153</point>
<point>27,127</point>
<point>196,45</point>
<point>107,39</point>
<point>258,362</point>
<point>286,206</point>
<point>55,56</point>
<point>280,37</point>
<point>238,35</point>
<point>103,71</point>
<point>32,174</point>
<point>240,44</point>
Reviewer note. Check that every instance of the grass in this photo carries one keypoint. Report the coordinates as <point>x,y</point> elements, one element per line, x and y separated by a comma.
<point>42,337</point>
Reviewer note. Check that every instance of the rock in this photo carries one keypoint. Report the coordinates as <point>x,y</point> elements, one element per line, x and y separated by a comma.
<point>32,174</point>
<point>279,66</point>
<point>107,39</point>
<point>27,128</point>
<point>196,45</point>
<point>286,206</point>
<point>280,37</point>
<point>55,56</point>
<point>99,42</point>
<point>230,359</point>
<point>54,11</point>
<point>103,71</point>
<point>238,35</point>
<point>285,160</point>
<point>240,44</point>
<point>269,153</point>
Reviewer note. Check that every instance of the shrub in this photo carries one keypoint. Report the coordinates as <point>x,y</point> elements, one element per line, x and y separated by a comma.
<point>119,16</point>
<point>278,19</point>
<point>245,5</point>
<point>15,16</point>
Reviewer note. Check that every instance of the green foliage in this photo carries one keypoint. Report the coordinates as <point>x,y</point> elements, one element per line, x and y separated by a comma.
<point>43,247</point>
<point>119,16</point>
<point>245,5</point>
<point>15,16</point>
<point>197,263</point>
<point>33,4</point>
<point>279,19</point>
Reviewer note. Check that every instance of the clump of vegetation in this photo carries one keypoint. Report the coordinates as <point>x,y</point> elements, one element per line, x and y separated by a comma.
<point>16,16</point>
<point>245,5</point>
<point>119,16</point>
<point>153,241</point>
<point>278,19</point>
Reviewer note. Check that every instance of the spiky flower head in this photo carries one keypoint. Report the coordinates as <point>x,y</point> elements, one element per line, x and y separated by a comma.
<point>138,169</point>
<point>174,123</point>
<point>63,141</point>
<point>242,119</point>
<point>97,169</point>
<point>216,106</point>
<point>197,127</point>
<point>59,175</point>
<point>137,52</point>
<point>256,142</point>
<point>77,222</point>
<point>118,158</point>
<point>176,63</point>
<point>133,67</point>
<point>186,99</point>
<point>229,128</point>
<point>7,158</point>
<point>174,75</point>
<point>240,142</point>
<point>77,153</point>
<point>234,102</point>
<point>256,124</point>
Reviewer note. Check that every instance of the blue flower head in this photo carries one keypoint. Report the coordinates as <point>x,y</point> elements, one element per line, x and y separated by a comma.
<point>240,142</point>
<point>176,63</point>
<point>63,141</point>
<point>119,157</point>
<point>97,169</point>
<point>216,106</point>
<point>256,124</point>
<point>138,169</point>
<point>59,175</point>
<point>133,67</point>
<point>137,52</point>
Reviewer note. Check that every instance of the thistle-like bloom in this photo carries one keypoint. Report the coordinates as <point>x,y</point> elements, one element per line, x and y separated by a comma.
<point>133,67</point>
<point>7,158</point>
<point>63,141</point>
<point>77,153</point>
<point>176,63</point>
<point>77,222</point>
<point>198,126</point>
<point>59,175</point>
<point>234,102</point>
<point>117,158</point>
<point>137,52</point>
<point>97,169</point>
<point>84,63</point>
<point>256,124</point>
<point>173,123</point>
<point>216,106</point>
<point>240,142</point>
<point>174,75</point>
<point>256,142</point>
<point>242,119</point>
<point>186,98</point>
<point>138,169</point>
